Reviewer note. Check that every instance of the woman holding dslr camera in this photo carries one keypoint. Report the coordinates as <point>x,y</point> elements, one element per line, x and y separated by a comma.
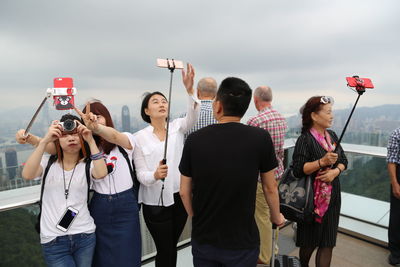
<point>66,227</point>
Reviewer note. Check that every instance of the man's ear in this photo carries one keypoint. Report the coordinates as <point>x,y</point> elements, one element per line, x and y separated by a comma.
<point>218,109</point>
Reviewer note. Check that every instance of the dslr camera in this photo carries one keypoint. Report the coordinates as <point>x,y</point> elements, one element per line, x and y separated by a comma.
<point>69,126</point>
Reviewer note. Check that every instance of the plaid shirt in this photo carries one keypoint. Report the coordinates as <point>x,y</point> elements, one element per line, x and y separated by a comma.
<point>272,121</point>
<point>393,148</point>
<point>206,117</point>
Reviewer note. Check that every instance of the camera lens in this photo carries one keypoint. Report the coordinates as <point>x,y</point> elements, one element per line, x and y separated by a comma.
<point>69,125</point>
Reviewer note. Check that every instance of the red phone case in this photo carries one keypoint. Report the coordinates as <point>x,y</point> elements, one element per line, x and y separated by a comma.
<point>362,82</point>
<point>61,82</point>
<point>65,101</point>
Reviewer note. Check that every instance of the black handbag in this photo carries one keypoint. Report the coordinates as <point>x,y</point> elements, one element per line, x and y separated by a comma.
<point>296,197</point>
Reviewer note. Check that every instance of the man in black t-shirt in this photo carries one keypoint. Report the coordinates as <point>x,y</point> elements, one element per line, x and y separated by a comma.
<point>220,167</point>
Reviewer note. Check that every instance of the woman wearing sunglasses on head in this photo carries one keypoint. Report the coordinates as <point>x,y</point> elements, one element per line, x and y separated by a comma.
<point>314,154</point>
<point>66,227</point>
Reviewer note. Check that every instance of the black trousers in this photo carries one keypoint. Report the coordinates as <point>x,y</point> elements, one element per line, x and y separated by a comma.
<point>394,221</point>
<point>166,225</point>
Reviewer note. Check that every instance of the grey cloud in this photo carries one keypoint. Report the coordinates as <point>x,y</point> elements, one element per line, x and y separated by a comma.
<point>294,46</point>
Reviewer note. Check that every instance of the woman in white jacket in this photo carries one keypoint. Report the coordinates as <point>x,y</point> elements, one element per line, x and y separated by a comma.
<point>163,210</point>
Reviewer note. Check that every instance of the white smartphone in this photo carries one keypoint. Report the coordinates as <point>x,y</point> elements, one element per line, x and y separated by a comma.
<point>166,63</point>
<point>67,219</point>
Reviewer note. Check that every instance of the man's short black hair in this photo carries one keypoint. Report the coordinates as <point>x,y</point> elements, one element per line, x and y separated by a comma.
<point>234,95</point>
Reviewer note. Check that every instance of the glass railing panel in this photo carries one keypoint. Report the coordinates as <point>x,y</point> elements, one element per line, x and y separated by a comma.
<point>20,244</point>
<point>366,176</point>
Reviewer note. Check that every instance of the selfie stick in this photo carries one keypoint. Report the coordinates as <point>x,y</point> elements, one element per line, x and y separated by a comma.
<point>360,90</point>
<point>171,68</point>
<point>28,128</point>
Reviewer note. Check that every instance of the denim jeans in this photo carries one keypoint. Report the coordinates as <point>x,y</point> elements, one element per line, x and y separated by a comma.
<point>70,250</point>
<point>118,238</point>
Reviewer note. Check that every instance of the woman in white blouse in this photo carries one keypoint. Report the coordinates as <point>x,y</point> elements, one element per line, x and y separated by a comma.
<point>163,210</point>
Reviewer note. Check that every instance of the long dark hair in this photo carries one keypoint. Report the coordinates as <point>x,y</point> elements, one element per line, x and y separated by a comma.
<point>98,108</point>
<point>312,105</point>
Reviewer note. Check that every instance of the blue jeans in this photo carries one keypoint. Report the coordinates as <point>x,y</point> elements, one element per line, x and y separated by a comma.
<point>70,250</point>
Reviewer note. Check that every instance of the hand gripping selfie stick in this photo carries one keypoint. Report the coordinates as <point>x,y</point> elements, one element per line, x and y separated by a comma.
<point>359,84</point>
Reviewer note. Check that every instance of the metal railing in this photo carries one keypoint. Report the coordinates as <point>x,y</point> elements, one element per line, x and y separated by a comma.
<point>18,193</point>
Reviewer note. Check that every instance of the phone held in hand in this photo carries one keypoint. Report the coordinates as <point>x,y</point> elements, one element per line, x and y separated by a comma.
<point>67,219</point>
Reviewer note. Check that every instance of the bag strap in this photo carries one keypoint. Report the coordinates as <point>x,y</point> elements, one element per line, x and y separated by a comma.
<point>131,166</point>
<point>52,159</point>
<point>88,175</point>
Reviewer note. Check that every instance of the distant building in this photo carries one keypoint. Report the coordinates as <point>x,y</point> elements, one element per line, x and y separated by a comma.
<point>1,169</point>
<point>11,162</point>
<point>126,119</point>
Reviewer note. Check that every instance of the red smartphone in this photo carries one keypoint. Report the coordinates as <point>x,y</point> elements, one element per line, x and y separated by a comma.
<point>166,63</point>
<point>359,82</point>
<point>63,93</point>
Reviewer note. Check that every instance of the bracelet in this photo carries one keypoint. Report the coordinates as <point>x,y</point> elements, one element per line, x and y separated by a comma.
<point>319,163</point>
<point>340,171</point>
<point>97,156</point>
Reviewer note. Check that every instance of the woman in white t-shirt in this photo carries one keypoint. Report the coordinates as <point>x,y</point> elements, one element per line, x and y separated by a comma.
<point>163,210</point>
<point>66,227</point>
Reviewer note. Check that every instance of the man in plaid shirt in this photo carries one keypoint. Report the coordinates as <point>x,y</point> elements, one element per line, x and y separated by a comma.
<point>272,121</point>
<point>393,161</point>
<point>206,91</point>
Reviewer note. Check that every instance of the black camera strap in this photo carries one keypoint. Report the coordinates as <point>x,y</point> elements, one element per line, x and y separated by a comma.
<point>132,170</point>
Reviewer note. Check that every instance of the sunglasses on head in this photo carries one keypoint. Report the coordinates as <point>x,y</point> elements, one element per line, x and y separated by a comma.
<point>326,100</point>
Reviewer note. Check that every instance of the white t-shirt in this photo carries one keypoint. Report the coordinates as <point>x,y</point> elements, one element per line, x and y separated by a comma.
<point>120,178</point>
<point>54,203</point>
<point>149,151</point>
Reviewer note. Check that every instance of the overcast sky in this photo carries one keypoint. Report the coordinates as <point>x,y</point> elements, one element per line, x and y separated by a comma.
<point>299,48</point>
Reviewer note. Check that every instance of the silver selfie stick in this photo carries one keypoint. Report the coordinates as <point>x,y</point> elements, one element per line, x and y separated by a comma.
<point>171,68</point>
<point>28,128</point>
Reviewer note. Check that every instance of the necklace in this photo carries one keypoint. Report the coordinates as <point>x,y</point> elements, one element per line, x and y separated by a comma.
<point>66,189</point>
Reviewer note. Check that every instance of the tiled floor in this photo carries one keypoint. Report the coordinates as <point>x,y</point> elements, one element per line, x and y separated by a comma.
<point>350,252</point>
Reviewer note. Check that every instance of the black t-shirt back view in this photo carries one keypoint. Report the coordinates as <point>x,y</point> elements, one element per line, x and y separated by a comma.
<point>224,161</point>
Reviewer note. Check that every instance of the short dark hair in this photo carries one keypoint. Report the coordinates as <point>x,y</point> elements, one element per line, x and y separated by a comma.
<point>312,105</point>
<point>145,104</point>
<point>84,146</point>
<point>234,95</point>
